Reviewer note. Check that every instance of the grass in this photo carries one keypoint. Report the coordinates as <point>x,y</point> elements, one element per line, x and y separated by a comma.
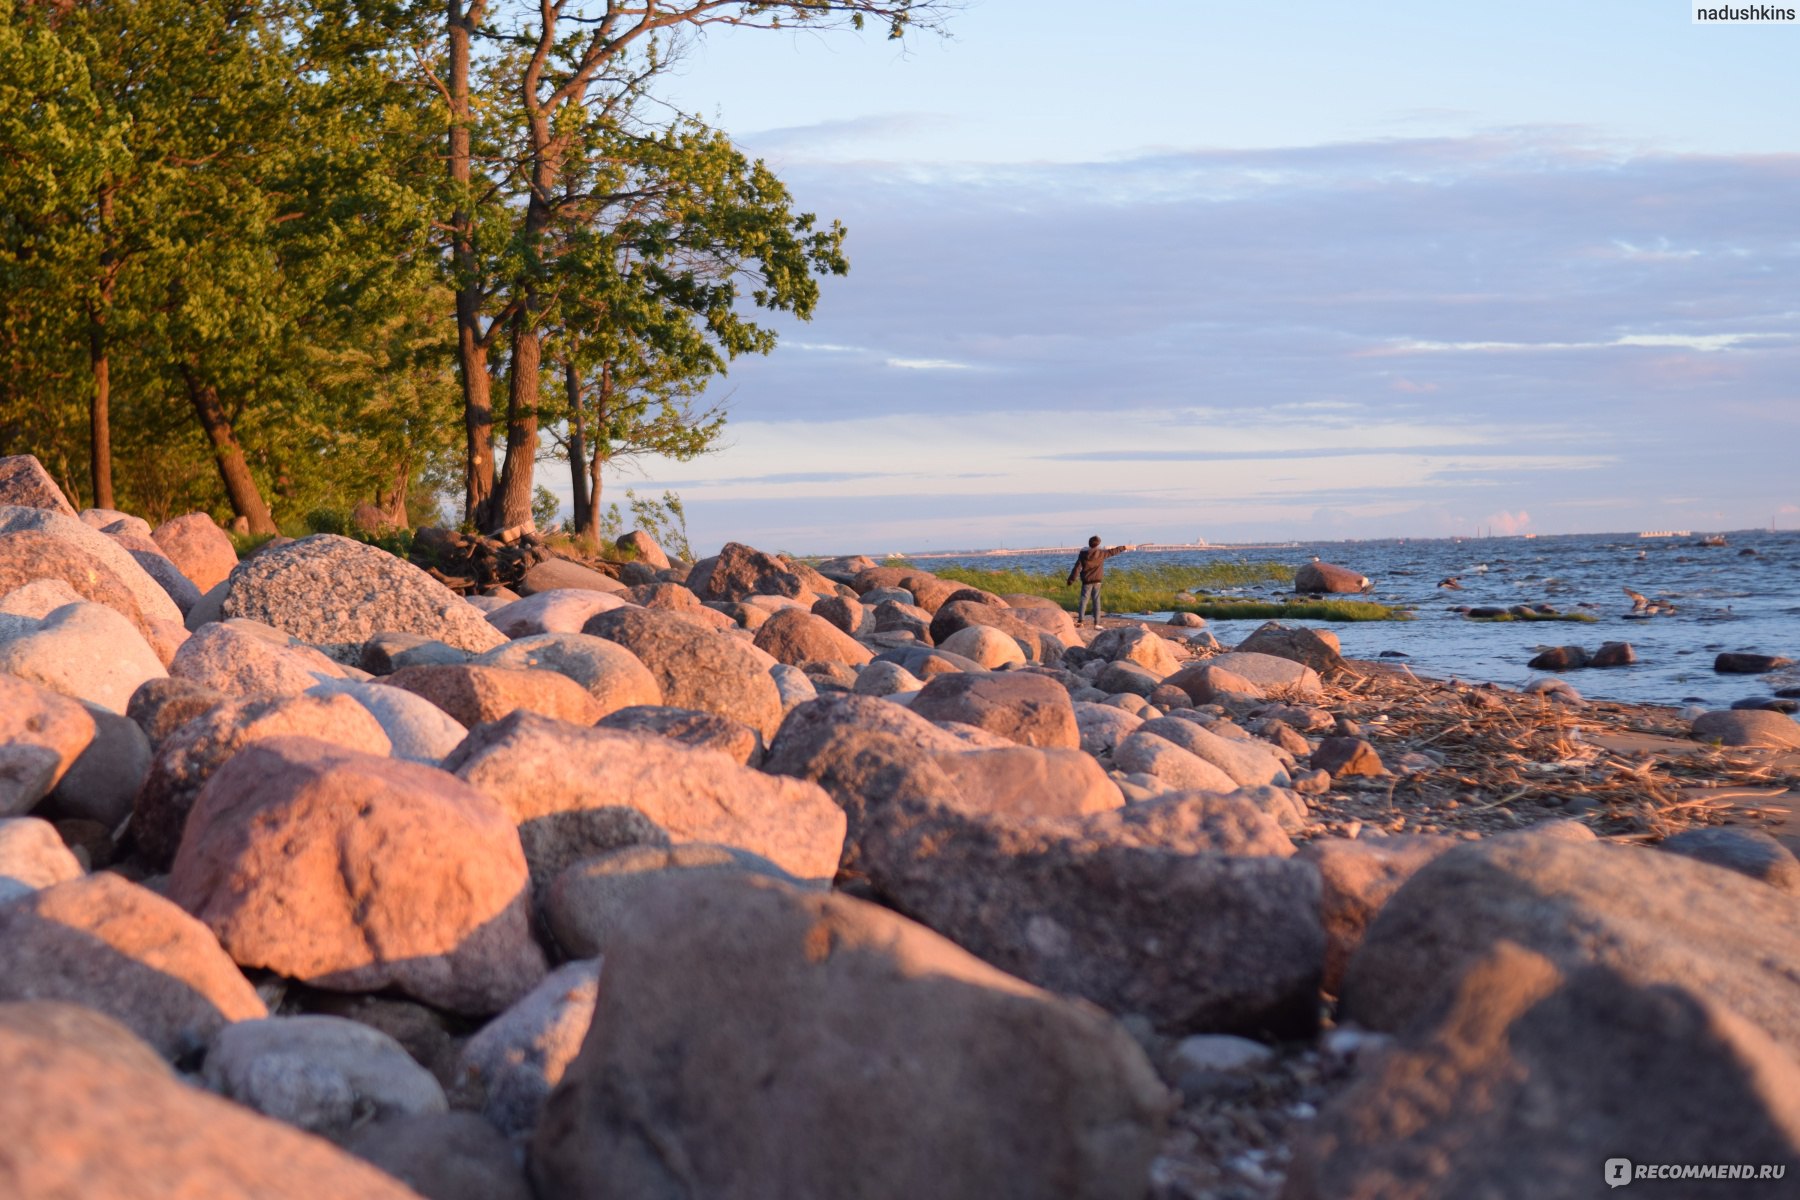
<point>1172,588</point>
<point>1580,618</point>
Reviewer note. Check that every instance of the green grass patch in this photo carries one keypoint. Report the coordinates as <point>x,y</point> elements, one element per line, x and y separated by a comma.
<point>1171,588</point>
<point>1579,618</point>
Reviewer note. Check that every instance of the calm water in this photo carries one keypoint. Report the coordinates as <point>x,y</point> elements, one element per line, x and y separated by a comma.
<point>1724,601</point>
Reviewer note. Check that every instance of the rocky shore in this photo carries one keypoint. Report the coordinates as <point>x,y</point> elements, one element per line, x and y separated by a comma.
<point>757,878</point>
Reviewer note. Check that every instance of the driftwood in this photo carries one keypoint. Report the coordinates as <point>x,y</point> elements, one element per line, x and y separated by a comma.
<point>473,563</point>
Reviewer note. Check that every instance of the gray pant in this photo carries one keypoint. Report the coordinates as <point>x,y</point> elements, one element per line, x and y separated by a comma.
<point>1089,591</point>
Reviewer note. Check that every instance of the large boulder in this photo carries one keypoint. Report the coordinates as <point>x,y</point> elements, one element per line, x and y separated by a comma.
<point>25,484</point>
<point>1539,1076</point>
<point>1750,852</point>
<point>1748,727</point>
<point>30,556</point>
<point>1271,675</point>
<point>188,757</point>
<point>1319,577</point>
<point>740,571</point>
<point>1143,753</point>
<point>796,637</point>
<point>1247,763</point>
<point>1358,877</point>
<point>356,873</point>
<point>507,1070</point>
<point>1032,710</point>
<point>123,950</point>
<point>537,769</point>
<point>102,784</point>
<point>32,857</point>
<point>42,733</point>
<point>693,728</point>
<point>86,651</point>
<point>957,615</point>
<point>239,658</point>
<point>696,667</point>
<point>1135,644</point>
<point>336,593</point>
<point>323,1074</point>
<point>614,676</point>
<point>1301,645</point>
<point>1656,918</point>
<point>641,547</point>
<point>152,601</point>
<point>1051,782</point>
<point>199,547</point>
<point>563,610</point>
<point>738,1010</point>
<point>148,555</point>
<point>417,730</point>
<point>474,694</point>
<point>88,1115</point>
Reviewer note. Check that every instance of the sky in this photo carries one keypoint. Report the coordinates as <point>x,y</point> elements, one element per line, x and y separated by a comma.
<point>1168,270</point>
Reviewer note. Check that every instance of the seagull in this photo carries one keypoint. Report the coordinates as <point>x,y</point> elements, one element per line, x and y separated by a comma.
<point>1639,601</point>
<point>1451,583</point>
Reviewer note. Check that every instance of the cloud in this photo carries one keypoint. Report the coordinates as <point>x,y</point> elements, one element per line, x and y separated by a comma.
<point>928,364</point>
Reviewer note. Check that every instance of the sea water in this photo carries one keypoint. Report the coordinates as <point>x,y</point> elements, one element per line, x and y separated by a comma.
<point>1723,599</point>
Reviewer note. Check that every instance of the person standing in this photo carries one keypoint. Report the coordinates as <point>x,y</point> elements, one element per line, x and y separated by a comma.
<point>1090,564</point>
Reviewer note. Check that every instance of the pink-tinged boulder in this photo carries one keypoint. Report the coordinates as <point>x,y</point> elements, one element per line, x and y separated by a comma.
<point>88,1115</point>
<point>796,637</point>
<point>335,593</point>
<point>844,613</point>
<point>1319,577</point>
<point>42,733</point>
<point>30,561</point>
<point>32,857</point>
<point>1316,648</point>
<point>1032,710</point>
<point>739,571</point>
<point>119,948</point>
<point>1273,676</point>
<point>238,660</point>
<point>696,667</point>
<point>476,694</point>
<point>1145,753</point>
<point>1051,783</point>
<point>559,574</point>
<point>355,873</point>
<point>614,676</point>
<point>1249,763</point>
<point>987,646</point>
<point>1748,727</point>
<point>191,754</point>
<point>1342,757</point>
<point>1135,644</point>
<point>161,706</point>
<point>85,651</point>
<point>1358,877</point>
<point>152,601</point>
<point>24,483</point>
<point>538,769</point>
<point>641,547</point>
<point>199,547</point>
<point>111,520</point>
<point>956,615</point>
<point>561,610</point>
<point>148,555</point>
<point>693,728</point>
<point>1205,683</point>
<point>737,1009</point>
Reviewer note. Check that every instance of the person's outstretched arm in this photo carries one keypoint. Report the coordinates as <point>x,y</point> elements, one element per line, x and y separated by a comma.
<point>1072,570</point>
<point>1119,550</point>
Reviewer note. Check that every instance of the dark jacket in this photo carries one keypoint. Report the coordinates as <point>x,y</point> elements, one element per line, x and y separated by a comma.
<point>1090,564</point>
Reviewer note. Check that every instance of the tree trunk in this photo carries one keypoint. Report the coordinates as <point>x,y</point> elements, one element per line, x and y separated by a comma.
<point>577,445</point>
<point>240,486</point>
<point>512,500</point>
<point>602,445</point>
<point>100,408</point>
<point>471,345</point>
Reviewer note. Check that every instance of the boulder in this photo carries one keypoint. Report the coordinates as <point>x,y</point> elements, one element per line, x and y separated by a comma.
<point>738,1009</point>
<point>32,857</point>
<point>886,679</point>
<point>589,899</point>
<point>326,1075</point>
<point>152,601</point>
<point>1734,662</point>
<point>538,769</point>
<point>986,646</point>
<point>1520,1089</point>
<point>844,613</point>
<point>507,1070</point>
<point>87,1116</point>
<point>559,574</point>
<point>336,593</point>
<point>614,676</point>
<point>1205,683</point>
<point>1029,709</point>
<point>1021,778</point>
<point>33,562</point>
<point>1748,727</point>
<point>196,545</point>
<point>957,615</point>
<point>417,730</point>
<point>103,781</point>
<point>892,616</point>
<point>797,637</point>
<point>696,667</point>
<point>42,733</point>
<point>111,520</point>
<point>386,653</point>
<point>1613,654</point>
<point>444,1156</point>
<point>355,873</point>
<point>474,694</point>
<point>239,659</point>
<point>1747,851</point>
<point>190,756</point>
<point>122,950</point>
<point>641,547</point>
<point>810,725</point>
<point>1342,757</point>
<point>1358,876</point>
<point>1147,754</point>
<point>1311,647</point>
<point>692,728</point>
<point>148,555</point>
<point>1246,763</point>
<point>1135,644</point>
<point>793,686</point>
<point>1656,918</point>
<point>1102,727</point>
<point>161,706</point>
<point>85,651</point>
<point>1319,577</point>
<point>562,610</point>
<point>25,484</point>
<point>1275,676</point>
<point>1559,658</point>
<point>740,571</point>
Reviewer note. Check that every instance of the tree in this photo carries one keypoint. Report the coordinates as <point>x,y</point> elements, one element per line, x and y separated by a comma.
<point>568,151</point>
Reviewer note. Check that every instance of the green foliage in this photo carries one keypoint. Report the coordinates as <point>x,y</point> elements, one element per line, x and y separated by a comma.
<point>664,519</point>
<point>1296,609</point>
<point>544,507</point>
<point>1577,618</point>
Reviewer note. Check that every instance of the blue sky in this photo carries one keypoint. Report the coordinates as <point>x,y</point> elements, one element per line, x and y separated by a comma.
<point>1242,271</point>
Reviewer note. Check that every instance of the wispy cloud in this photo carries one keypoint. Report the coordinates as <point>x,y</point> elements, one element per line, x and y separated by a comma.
<point>929,364</point>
